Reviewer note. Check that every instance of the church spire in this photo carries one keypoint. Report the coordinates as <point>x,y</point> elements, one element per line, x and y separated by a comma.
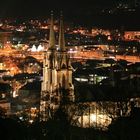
<point>61,35</point>
<point>52,36</point>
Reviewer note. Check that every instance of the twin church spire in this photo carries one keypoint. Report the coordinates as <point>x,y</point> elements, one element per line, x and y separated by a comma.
<point>61,40</point>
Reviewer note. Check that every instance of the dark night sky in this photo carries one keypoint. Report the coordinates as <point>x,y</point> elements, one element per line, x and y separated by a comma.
<point>84,11</point>
<point>41,7</point>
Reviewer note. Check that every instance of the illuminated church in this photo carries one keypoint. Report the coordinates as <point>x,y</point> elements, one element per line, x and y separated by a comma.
<point>57,86</point>
<point>58,90</point>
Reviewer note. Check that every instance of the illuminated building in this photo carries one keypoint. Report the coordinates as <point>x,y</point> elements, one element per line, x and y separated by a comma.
<point>57,88</point>
<point>2,66</point>
<point>5,38</point>
<point>37,49</point>
<point>57,84</point>
<point>96,31</point>
<point>132,35</point>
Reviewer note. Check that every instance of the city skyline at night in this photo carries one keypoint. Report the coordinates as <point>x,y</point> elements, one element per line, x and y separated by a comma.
<point>70,70</point>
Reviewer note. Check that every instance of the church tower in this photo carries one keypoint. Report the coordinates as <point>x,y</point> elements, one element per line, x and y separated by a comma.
<point>64,68</point>
<point>57,87</point>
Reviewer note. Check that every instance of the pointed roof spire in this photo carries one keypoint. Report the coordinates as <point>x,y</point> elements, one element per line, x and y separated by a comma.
<point>61,34</point>
<point>52,36</point>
